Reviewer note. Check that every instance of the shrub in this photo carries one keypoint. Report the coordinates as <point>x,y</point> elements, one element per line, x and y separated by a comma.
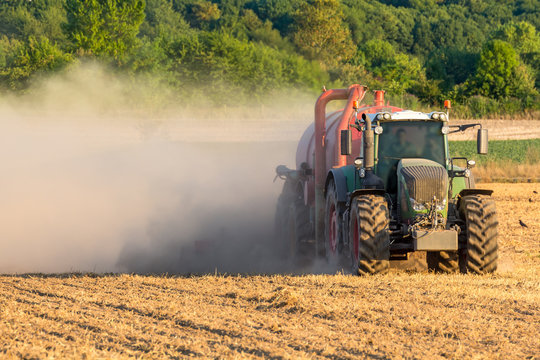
<point>34,57</point>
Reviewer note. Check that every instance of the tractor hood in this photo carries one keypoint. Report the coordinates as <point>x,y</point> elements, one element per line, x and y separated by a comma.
<point>421,182</point>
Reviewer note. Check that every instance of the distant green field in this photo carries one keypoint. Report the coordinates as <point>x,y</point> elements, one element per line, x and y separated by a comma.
<point>517,151</point>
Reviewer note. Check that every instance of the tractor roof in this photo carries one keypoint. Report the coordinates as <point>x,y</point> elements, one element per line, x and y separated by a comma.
<point>406,115</point>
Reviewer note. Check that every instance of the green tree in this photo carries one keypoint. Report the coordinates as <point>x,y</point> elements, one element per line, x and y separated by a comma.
<point>321,33</point>
<point>162,20</point>
<point>451,65</point>
<point>521,35</point>
<point>264,31</point>
<point>23,19</point>
<point>528,10</point>
<point>203,14</point>
<point>17,21</point>
<point>499,73</point>
<point>206,11</point>
<point>10,48</point>
<point>423,4</point>
<point>104,27</point>
<point>526,41</point>
<point>441,28</point>
<point>231,65</point>
<point>37,56</point>
<point>428,91</point>
<point>397,70</point>
<point>279,12</point>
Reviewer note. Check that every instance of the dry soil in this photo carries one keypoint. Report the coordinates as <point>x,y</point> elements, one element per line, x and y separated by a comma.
<point>399,315</point>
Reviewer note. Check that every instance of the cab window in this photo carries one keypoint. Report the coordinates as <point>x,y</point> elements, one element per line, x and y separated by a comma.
<point>407,139</point>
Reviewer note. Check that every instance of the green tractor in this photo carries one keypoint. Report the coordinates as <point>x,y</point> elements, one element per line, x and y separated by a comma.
<point>399,192</point>
<point>406,194</point>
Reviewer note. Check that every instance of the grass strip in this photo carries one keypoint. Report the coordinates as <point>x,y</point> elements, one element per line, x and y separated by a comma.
<point>525,151</point>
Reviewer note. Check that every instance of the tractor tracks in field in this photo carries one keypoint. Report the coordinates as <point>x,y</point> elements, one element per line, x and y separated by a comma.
<point>60,327</point>
<point>56,325</point>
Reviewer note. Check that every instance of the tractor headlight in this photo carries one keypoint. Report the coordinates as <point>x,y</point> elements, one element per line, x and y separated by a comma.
<point>387,116</point>
<point>435,116</point>
<point>471,163</point>
<point>441,206</point>
<point>443,117</point>
<point>378,130</point>
<point>416,205</point>
<point>380,116</point>
<point>467,173</point>
<point>445,130</point>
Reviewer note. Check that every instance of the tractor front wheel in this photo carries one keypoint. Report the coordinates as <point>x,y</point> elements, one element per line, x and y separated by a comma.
<point>481,254</point>
<point>369,238</point>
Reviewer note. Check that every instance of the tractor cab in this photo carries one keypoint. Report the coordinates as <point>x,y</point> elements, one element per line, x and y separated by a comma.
<point>411,157</point>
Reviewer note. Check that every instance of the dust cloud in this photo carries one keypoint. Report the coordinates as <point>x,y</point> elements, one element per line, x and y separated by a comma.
<point>101,174</point>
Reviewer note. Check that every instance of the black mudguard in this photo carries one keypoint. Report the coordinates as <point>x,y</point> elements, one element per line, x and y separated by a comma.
<point>467,192</point>
<point>359,192</point>
<point>341,184</point>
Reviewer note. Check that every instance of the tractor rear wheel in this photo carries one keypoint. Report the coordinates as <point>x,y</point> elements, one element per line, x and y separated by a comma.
<point>442,261</point>
<point>481,254</point>
<point>333,245</point>
<point>369,239</point>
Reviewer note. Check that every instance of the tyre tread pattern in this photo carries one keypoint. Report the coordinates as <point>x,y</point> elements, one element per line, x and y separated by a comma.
<point>291,208</point>
<point>374,238</point>
<point>482,248</point>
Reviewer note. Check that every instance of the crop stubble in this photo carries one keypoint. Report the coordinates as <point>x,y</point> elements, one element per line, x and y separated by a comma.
<point>400,315</point>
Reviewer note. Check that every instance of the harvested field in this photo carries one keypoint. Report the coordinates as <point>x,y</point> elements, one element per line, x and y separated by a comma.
<point>500,129</point>
<point>400,315</point>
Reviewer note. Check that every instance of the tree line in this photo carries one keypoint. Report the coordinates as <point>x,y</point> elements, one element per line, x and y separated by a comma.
<point>483,54</point>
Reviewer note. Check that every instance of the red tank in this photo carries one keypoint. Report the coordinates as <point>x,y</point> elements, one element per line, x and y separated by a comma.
<point>330,129</point>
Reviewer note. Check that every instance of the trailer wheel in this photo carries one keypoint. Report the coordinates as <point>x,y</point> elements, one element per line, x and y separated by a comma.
<point>481,254</point>
<point>369,238</point>
<point>299,230</point>
<point>292,225</point>
<point>292,233</point>
<point>281,224</point>
<point>333,245</point>
<point>442,261</point>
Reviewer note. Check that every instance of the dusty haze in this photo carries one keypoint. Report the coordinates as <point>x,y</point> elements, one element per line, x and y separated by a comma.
<point>107,174</point>
<point>103,175</point>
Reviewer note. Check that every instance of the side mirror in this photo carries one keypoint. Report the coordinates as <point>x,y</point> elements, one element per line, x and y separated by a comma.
<point>482,141</point>
<point>346,142</point>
